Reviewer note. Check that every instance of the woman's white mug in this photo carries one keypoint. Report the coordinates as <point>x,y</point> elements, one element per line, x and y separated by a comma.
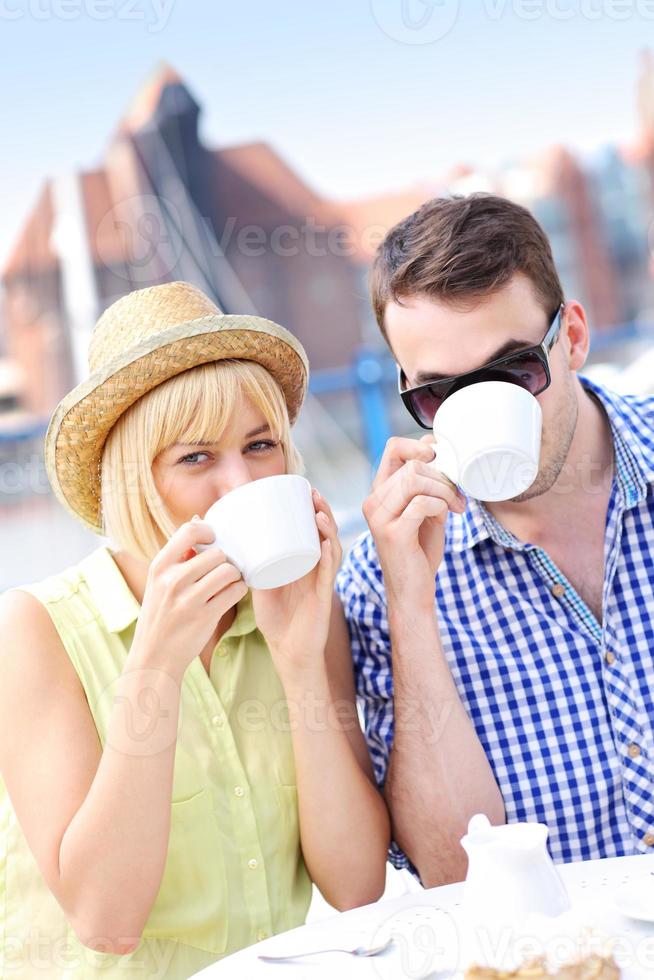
<point>488,439</point>
<point>267,529</point>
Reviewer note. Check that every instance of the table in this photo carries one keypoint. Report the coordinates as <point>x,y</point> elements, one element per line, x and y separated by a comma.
<point>428,927</point>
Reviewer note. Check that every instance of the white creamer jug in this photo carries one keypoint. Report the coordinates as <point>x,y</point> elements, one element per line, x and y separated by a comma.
<point>511,876</point>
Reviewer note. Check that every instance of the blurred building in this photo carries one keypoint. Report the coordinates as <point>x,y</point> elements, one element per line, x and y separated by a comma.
<point>243,226</point>
<point>237,222</point>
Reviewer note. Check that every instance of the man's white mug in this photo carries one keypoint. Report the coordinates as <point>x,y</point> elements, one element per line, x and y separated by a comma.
<point>267,529</point>
<point>488,439</point>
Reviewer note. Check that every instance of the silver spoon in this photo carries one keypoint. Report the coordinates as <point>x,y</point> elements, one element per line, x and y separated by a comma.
<point>359,951</point>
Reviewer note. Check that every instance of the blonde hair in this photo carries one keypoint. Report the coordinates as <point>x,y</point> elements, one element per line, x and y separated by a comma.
<point>196,405</point>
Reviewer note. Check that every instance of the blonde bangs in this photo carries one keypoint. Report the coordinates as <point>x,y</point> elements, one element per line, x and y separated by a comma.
<point>194,406</point>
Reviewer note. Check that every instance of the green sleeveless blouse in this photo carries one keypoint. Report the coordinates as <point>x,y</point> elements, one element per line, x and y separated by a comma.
<point>234,871</point>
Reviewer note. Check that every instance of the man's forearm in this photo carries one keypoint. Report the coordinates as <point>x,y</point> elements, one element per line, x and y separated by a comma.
<point>438,774</point>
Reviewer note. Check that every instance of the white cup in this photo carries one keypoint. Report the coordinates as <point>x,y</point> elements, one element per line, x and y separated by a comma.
<point>267,529</point>
<point>488,439</point>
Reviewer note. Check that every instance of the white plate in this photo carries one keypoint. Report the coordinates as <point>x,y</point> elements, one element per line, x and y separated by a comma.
<point>635,898</point>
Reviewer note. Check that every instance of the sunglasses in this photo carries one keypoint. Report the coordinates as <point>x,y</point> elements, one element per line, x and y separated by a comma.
<point>528,368</point>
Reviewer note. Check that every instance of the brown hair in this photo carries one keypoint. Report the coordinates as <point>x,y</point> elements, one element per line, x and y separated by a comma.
<point>455,248</point>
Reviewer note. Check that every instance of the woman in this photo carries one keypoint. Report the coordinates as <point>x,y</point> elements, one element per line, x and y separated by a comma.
<point>166,737</point>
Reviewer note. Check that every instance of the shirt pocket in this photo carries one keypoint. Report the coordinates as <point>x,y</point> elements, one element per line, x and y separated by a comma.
<point>192,902</point>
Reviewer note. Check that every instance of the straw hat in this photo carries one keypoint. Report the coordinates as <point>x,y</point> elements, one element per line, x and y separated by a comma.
<point>140,341</point>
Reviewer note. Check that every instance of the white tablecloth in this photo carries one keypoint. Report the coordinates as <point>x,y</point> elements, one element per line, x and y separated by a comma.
<point>429,933</point>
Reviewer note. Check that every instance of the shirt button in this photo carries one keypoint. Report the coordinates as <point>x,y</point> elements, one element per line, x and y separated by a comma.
<point>558,590</point>
<point>609,656</point>
<point>253,864</point>
<point>218,721</point>
<point>649,840</point>
<point>239,791</point>
<point>633,750</point>
<point>261,935</point>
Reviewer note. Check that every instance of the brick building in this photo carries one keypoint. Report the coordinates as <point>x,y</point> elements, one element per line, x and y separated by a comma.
<point>238,222</point>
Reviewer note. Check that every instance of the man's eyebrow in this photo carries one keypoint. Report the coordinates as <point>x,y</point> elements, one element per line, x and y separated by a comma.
<point>424,377</point>
<point>255,432</point>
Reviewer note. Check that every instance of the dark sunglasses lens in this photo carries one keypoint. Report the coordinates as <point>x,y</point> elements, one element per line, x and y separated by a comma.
<point>526,370</point>
<point>425,402</point>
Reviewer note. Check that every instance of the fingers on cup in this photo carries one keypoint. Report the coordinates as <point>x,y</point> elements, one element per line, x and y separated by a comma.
<point>422,507</point>
<point>441,484</point>
<point>228,596</point>
<point>397,452</point>
<point>416,479</point>
<point>219,579</point>
<point>204,562</point>
<point>187,536</point>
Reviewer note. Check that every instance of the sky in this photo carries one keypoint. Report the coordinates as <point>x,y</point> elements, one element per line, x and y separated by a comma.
<point>361,97</point>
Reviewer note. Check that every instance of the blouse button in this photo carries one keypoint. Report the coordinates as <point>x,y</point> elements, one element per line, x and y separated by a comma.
<point>218,721</point>
<point>239,791</point>
<point>253,864</point>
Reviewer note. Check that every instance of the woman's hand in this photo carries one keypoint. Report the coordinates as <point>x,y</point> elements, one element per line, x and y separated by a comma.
<point>294,619</point>
<point>186,594</point>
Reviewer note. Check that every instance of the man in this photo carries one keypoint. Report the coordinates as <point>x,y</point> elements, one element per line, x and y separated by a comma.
<point>503,651</point>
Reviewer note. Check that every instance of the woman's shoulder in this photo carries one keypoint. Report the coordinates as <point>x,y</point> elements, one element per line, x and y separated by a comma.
<point>33,653</point>
<point>48,604</point>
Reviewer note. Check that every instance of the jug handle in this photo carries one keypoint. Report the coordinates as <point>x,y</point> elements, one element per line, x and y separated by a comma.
<point>479,822</point>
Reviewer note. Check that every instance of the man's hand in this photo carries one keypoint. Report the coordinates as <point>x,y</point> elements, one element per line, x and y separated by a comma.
<point>406,512</point>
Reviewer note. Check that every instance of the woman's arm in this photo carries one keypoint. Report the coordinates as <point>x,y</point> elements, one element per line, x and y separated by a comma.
<point>98,819</point>
<point>343,818</point>
<point>344,822</point>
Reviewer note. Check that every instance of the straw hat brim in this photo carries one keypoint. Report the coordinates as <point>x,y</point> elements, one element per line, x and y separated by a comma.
<point>82,421</point>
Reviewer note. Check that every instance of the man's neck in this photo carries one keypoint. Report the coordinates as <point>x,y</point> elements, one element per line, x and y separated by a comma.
<point>581,490</point>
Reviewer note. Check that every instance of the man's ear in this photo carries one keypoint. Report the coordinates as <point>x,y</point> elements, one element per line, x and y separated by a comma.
<point>575,335</point>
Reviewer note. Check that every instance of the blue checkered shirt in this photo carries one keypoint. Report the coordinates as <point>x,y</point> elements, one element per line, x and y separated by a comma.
<point>562,704</point>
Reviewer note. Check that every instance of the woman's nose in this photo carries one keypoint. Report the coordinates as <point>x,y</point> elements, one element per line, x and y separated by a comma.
<point>233,473</point>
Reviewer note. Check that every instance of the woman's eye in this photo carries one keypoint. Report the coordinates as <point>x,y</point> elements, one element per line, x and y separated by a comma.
<point>262,445</point>
<point>192,458</point>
